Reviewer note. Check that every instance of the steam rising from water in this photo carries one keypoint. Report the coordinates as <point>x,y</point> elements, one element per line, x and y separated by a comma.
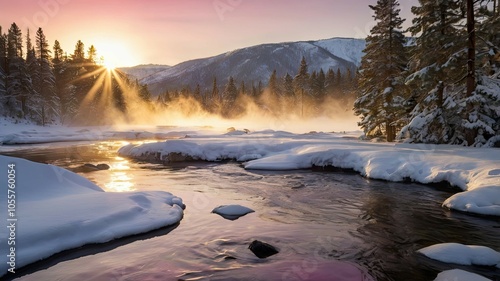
<point>335,116</point>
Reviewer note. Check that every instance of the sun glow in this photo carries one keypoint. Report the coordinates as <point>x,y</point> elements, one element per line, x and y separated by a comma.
<point>113,54</point>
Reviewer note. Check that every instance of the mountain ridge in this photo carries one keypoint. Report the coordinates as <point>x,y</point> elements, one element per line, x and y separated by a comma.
<point>255,64</point>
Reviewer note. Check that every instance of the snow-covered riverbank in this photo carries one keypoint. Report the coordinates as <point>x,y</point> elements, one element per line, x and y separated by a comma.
<point>51,209</point>
<point>474,170</point>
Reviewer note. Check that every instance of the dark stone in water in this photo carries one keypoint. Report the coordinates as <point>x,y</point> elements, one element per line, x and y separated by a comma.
<point>262,250</point>
<point>103,166</point>
<point>87,168</point>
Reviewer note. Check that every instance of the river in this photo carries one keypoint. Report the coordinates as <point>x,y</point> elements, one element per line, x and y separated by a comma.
<point>311,216</point>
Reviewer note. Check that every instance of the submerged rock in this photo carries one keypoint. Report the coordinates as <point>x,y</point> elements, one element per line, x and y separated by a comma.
<point>232,212</point>
<point>87,168</point>
<point>262,250</point>
<point>103,166</point>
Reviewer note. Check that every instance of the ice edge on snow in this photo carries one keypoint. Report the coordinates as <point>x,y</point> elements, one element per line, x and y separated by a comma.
<point>471,169</point>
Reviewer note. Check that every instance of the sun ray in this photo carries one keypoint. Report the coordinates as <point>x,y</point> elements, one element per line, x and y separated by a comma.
<point>93,91</point>
<point>90,74</point>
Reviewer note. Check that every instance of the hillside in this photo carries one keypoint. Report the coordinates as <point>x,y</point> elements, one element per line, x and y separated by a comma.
<point>144,70</point>
<point>256,63</point>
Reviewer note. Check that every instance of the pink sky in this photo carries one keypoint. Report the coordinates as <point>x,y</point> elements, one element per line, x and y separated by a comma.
<point>168,32</point>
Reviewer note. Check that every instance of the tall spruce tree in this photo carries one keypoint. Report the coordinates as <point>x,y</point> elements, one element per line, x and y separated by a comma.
<point>438,61</point>
<point>3,71</point>
<point>481,119</point>
<point>50,101</point>
<point>19,87</point>
<point>381,74</point>
<point>301,85</point>
<point>33,66</point>
<point>229,99</point>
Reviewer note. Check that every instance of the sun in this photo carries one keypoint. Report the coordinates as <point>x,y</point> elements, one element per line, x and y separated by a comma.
<point>109,64</point>
<point>114,54</point>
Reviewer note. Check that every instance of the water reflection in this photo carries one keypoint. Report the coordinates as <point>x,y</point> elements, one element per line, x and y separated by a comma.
<point>119,177</point>
<point>309,216</point>
<point>119,182</point>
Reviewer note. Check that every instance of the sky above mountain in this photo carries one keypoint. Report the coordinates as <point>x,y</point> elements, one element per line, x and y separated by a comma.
<point>131,32</point>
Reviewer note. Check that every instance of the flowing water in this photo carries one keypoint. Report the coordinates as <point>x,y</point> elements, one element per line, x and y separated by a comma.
<point>312,217</point>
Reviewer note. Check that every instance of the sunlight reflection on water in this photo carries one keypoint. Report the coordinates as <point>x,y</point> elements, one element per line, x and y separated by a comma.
<point>119,179</point>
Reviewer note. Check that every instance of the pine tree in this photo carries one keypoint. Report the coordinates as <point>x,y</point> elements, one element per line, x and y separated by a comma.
<point>19,87</point>
<point>288,97</point>
<point>66,92</point>
<point>47,90</point>
<point>301,85</point>
<point>273,84</point>
<point>92,54</point>
<point>79,53</point>
<point>229,98</point>
<point>381,82</point>
<point>481,120</point>
<point>330,83</point>
<point>3,71</point>
<point>58,53</point>
<point>320,86</point>
<point>438,61</point>
<point>215,100</point>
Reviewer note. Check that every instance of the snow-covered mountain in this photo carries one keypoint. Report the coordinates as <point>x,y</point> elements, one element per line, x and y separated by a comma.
<point>144,70</point>
<point>254,64</point>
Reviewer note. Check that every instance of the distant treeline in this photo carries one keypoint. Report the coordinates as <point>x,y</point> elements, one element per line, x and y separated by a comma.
<point>307,94</point>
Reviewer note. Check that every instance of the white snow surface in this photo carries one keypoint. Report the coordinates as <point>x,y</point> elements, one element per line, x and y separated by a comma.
<point>58,210</point>
<point>474,170</point>
<point>459,275</point>
<point>462,254</point>
<point>25,133</point>
<point>232,210</point>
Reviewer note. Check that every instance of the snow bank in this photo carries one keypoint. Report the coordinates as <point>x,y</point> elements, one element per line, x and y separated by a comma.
<point>232,212</point>
<point>462,254</point>
<point>459,275</point>
<point>25,133</point>
<point>474,170</point>
<point>58,210</point>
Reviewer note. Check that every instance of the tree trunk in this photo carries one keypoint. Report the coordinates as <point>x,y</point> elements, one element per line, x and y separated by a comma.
<point>390,131</point>
<point>471,60</point>
<point>471,54</point>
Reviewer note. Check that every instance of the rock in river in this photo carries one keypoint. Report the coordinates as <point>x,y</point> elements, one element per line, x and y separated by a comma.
<point>232,212</point>
<point>262,250</point>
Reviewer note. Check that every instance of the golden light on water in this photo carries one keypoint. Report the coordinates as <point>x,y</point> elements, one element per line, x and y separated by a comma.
<point>120,182</point>
<point>119,178</point>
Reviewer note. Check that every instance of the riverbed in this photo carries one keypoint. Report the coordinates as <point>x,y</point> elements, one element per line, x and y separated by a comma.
<point>313,217</point>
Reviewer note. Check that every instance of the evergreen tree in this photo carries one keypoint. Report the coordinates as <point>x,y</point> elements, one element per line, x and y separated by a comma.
<point>214,97</point>
<point>92,54</point>
<point>229,98</point>
<point>19,87</point>
<point>3,51</point>
<point>301,85</point>
<point>330,83</point>
<point>242,90</point>
<point>481,120</point>
<point>438,61</point>
<point>79,53</point>
<point>320,86</point>
<point>288,96</point>
<point>47,90</point>
<point>3,71</point>
<point>58,53</point>
<point>66,92</point>
<point>381,82</point>
<point>273,84</point>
